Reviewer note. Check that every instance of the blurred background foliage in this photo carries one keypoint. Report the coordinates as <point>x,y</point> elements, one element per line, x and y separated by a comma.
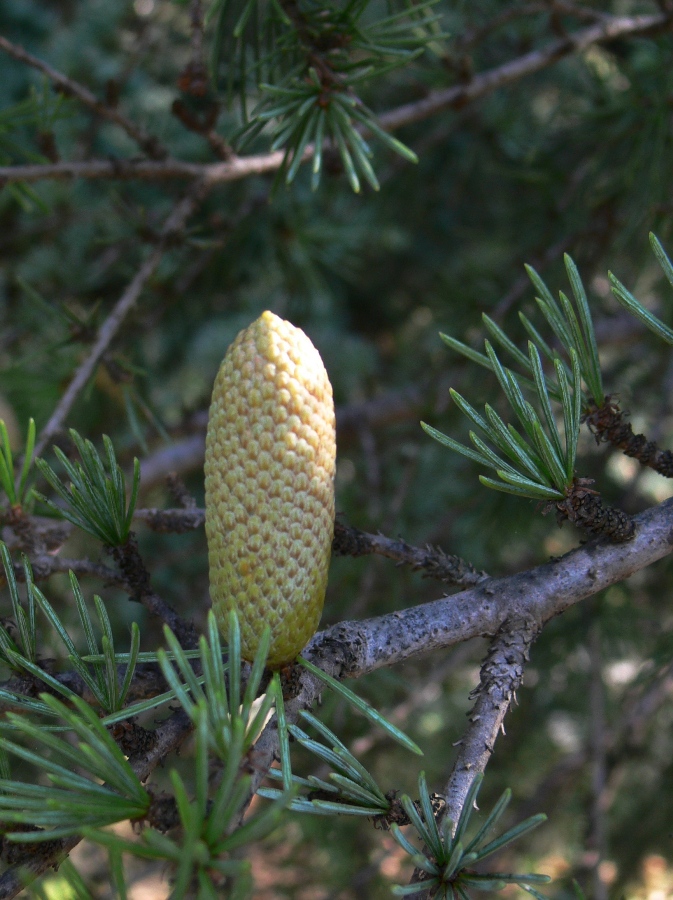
<point>576,158</point>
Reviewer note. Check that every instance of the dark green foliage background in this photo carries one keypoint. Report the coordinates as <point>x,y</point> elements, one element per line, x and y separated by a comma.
<point>577,157</point>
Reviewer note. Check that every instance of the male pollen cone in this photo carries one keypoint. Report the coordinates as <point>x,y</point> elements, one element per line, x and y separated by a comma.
<point>270,460</point>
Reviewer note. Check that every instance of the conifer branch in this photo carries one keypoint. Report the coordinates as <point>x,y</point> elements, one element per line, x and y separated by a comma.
<point>432,561</point>
<point>351,649</point>
<point>35,860</point>
<point>510,611</point>
<point>71,88</point>
<point>610,29</point>
<point>607,30</point>
<point>529,599</point>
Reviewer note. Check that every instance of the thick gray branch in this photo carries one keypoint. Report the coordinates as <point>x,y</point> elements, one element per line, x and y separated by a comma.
<point>350,649</point>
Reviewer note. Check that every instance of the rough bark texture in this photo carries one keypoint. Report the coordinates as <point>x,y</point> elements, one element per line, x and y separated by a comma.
<point>500,676</point>
<point>608,426</point>
<point>585,509</point>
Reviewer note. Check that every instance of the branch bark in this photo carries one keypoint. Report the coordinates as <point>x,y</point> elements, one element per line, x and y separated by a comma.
<point>432,561</point>
<point>500,676</point>
<point>351,649</point>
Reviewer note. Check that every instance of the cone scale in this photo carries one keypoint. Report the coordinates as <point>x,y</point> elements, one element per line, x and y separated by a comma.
<point>270,460</point>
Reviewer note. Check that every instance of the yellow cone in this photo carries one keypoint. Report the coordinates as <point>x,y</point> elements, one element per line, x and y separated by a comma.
<point>270,459</point>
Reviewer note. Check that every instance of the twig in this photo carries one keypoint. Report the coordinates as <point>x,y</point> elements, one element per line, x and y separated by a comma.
<point>173,521</point>
<point>131,576</point>
<point>45,565</point>
<point>126,302</point>
<point>610,29</point>
<point>432,561</point>
<point>234,169</point>
<point>36,536</point>
<point>137,583</point>
<point>203,126</point>
<point>147,682</point>
<point>72,88</point>
<point>607,423</point>
<point>500,676</point>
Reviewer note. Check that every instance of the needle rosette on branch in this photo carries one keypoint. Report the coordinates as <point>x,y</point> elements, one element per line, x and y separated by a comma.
<point>270,461</point>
